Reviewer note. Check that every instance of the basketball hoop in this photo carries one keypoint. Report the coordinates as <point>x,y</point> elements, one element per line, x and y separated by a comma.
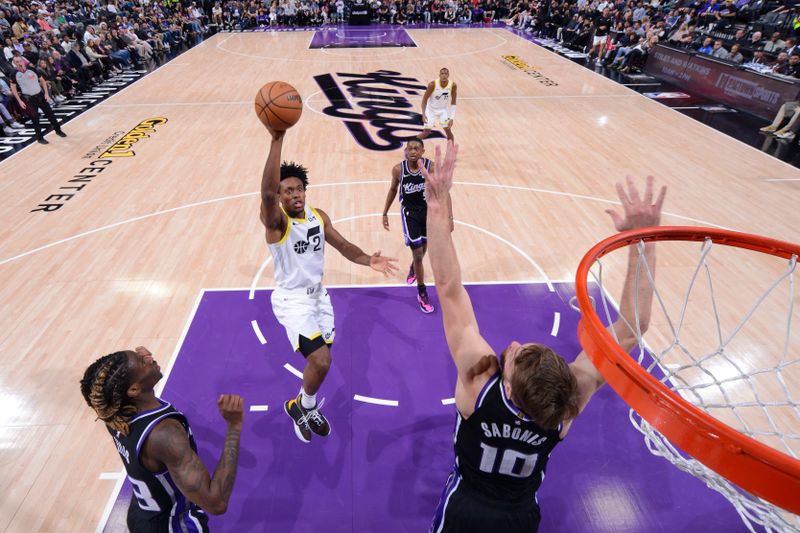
<point>673,410</point>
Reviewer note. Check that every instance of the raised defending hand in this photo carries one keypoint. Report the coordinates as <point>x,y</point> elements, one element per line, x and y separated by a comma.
<point>231,407</point>
<point>438,184</point>
<point>386,265</point>
<point>638,212</point>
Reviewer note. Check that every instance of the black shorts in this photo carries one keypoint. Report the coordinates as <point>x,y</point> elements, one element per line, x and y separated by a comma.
<point>415,227</point>
<point>140,521</point>
<point>462,510</point>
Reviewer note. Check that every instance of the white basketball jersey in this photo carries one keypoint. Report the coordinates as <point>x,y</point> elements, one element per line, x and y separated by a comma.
<point>440,98</point>
<point>300,254</point>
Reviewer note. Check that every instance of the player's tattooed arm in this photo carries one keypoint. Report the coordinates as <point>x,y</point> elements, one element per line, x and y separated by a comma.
<point>169,444</point>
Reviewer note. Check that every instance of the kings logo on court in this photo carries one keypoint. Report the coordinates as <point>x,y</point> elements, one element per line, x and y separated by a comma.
<point>375,107</point>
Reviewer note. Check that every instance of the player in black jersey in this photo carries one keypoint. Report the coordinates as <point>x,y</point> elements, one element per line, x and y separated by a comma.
<point>513,412</point>
<point>407,177</point>
<point>171,487</point>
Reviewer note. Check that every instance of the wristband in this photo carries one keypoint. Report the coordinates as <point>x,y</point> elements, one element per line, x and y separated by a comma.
<point>452,112</point>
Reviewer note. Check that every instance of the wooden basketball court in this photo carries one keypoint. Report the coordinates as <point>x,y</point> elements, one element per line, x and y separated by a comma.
<point>154,197</point>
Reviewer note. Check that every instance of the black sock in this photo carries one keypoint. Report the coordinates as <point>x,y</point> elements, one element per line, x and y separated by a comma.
<point>421,289</point>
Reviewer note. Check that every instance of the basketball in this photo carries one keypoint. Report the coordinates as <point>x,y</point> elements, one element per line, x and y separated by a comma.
<point>278,105</point>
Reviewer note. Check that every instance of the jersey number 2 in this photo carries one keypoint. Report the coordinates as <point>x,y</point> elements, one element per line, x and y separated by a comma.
<point>512,463</point>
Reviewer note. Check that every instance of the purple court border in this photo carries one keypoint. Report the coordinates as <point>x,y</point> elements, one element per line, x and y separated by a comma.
<point>365,477</point>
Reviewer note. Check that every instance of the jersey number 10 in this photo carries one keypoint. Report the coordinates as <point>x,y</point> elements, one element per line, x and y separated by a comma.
<point>512,462</point>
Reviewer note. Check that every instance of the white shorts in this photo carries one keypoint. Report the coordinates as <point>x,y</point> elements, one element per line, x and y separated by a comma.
<point>437,118</point>
<point>305,311</point>
<point>599,40</point>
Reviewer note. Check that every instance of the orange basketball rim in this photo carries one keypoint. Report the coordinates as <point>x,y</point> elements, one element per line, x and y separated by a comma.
<point>755,467</point>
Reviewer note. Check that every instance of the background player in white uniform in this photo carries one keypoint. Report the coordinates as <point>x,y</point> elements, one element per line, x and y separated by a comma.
<point>296,235</point>
<point>439,105</point>
<point>530,384</point>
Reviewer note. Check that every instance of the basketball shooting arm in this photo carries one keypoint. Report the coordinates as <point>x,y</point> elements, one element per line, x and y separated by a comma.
<point>637,291</point>
<point>272,215</point>
<point>474,358</point>
<point>390,196</point>
<point>386,265</point>
<point>168,446</point>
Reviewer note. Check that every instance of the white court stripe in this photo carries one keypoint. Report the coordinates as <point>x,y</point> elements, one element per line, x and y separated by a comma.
<point>293,370</point>
<point>257,330</point>
<point>376,401</point>
<point>782,179</point>
<point>556,324</point>
<point>258,408</point>
<point>109,505</point>
<point>113,475</point>
<point>448,401</point>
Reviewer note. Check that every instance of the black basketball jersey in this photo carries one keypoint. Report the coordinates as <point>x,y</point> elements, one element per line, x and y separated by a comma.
<point>501,453</point>
<point>156,493</point>
<point>412,185</point>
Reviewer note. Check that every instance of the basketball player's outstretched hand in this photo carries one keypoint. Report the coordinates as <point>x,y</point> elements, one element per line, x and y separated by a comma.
<point>438,184</point>
<point>386,265</point>
<point>231,407</point>
<point>276,135</point>
<point>638,212</point>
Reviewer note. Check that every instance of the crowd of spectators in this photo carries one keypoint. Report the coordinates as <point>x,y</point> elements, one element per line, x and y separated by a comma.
<point>75,44</point>
<point>620,33</point>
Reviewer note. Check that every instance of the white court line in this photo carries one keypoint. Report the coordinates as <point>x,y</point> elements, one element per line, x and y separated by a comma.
<point>258,408</point>
<point>781,179</point>
<point>293,370</point>
<point>448,401</point>
<point>159,387</point>
<point>376,401</point>
<point>556,324</point>
<point>381,182</point>
<point>113,475</point>
<point>471,226</point>
<point>110,504</point>
<point>685,107</point>
<point>260,335</point>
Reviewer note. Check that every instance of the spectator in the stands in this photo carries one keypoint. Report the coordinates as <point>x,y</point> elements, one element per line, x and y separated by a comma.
<point>775,44</point>
<point>791,46</point>
<point>781,65</point>
<point>719,51</point>
<point>707,47</point>
<point>755,41</point>
<point>741,38</point>
<point>735,55</point>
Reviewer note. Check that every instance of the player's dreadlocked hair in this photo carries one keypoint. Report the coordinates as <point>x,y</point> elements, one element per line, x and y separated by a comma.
<point>105,388</point>
<point>294,170</point>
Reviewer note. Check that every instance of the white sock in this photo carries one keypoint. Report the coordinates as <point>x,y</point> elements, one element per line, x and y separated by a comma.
<point>308,401</point>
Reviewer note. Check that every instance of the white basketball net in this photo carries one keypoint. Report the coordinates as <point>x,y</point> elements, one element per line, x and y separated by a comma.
<point>707,378</point>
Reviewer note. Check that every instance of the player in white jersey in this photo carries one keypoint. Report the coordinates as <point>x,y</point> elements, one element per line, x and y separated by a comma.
<point>439,105</point>
<point>296,235</point>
